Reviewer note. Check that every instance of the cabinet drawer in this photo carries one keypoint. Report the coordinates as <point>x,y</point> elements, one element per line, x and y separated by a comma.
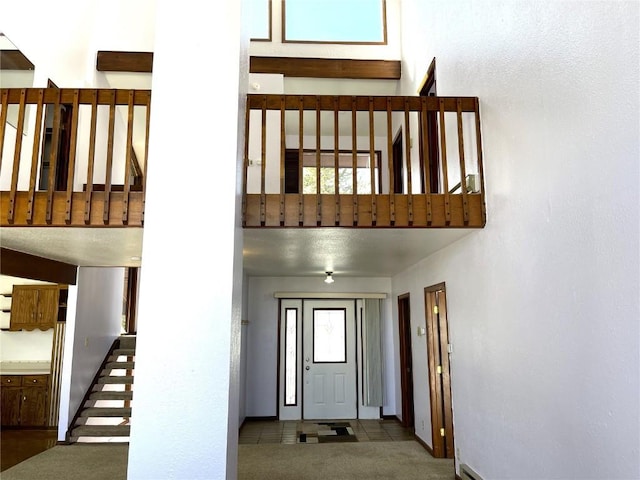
<point>11,381</point>
<point>35,380</point>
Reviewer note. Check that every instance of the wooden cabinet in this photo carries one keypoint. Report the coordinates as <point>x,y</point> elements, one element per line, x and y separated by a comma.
<point>34,306</point>
<point>24,400</point>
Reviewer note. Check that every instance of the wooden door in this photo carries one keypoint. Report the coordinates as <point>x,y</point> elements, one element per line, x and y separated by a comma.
<point>439,371</point>
<point>406,360</point>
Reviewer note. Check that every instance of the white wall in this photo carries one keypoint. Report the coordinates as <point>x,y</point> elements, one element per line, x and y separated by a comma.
<point>262,350</point>
<point>200,407</point>
<point>97,324</point>
<point>543,303</point>
<point>22,346</point>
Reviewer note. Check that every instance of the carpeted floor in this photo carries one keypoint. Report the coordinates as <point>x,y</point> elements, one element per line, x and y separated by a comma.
<point>74,462</point>
<point>342,461</point>
<point>336,461</point>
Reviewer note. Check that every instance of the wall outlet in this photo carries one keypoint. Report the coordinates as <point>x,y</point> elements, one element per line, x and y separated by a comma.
<point>86,341</point>
<point>422,424</point>
<point>458,453</point>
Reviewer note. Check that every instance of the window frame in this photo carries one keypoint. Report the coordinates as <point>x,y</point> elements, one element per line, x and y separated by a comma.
<point>291,153</point>
<point>334,42</point>
<point>270,20</point>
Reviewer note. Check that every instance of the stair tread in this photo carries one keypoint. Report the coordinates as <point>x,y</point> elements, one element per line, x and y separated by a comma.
<point>129,352</point>
<point>123,379</point>
<point>119,365</point>
<point>111,395</point>
<point>101,431</point>
<point>106,412</point>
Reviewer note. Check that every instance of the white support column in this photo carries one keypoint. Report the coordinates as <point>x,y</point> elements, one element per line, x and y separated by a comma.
<point>185,403</point>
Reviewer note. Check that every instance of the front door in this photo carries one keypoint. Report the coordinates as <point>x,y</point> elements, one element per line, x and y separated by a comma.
<point>329,360</point>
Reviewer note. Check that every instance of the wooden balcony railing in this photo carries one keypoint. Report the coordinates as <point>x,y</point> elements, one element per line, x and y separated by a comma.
<point>361,161</point>
<point>73,157</point>
<point>78,157</point>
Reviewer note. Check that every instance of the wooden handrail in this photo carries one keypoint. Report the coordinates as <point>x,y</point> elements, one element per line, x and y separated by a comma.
<point>67,141</point>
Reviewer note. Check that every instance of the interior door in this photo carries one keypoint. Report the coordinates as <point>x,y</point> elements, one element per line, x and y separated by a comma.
<point>329,360</point>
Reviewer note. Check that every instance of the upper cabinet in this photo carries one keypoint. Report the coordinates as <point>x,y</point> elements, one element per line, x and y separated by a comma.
<point>34,306</point>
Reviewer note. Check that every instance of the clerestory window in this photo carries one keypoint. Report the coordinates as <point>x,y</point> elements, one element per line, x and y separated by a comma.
<point>334,21</point>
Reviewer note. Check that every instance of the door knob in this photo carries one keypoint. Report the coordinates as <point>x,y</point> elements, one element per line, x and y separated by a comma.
<point>307,367</point>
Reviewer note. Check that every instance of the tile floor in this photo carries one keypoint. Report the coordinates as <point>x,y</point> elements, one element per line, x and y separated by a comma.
<point>273,431</point>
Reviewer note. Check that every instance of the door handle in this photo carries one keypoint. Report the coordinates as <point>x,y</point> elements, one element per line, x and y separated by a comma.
<point>307,367</point>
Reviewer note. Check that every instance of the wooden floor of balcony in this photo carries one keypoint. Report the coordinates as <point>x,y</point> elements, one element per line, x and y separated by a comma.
<point>366,211</point>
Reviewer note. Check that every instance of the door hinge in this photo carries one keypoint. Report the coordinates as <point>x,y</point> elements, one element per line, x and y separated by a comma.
<point>439,370</point>
<point>435,309</point>
<point>442,432</point>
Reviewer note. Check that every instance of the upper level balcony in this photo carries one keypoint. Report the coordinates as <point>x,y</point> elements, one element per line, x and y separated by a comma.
<point>78,157</point>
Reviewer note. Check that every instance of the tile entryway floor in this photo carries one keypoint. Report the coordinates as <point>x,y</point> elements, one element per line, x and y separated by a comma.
<point>273,431</point>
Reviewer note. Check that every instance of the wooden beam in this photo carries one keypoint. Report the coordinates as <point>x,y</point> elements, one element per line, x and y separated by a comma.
<point>327,67</point>
<point>24,265</point>
<point>142,62</point>
<point>14,60</point>
<point>111,61</point>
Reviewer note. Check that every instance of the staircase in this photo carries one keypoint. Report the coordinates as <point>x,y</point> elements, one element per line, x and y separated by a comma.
<point>105,413</point>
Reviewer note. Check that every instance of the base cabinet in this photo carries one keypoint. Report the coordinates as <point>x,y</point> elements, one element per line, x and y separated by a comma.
<point>24,400</point>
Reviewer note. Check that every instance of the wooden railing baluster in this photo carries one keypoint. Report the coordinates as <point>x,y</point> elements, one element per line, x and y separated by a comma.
<point>109,169</point>
<point>407,142</point>
<point>443,158</point>
<point>318,166</point>
<point>426,164</point>
<point>336,153</point>
<point>283,147</point>
<point>263,164</point>
<point>392,206</point>
<point>354,154</point>
<point>92,156</point>
<point>301,162</point>
<point>127,159</point>
<point>16,155</point>
<point>34,155</point>
<point>72,155</point>
<point>463,171</point>
<point>372,162</point>
<point>245,166</point>
<point>3,122</point>
<point>53,157</point>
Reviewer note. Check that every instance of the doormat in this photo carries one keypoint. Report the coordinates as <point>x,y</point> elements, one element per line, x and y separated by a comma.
<point>326,432</point>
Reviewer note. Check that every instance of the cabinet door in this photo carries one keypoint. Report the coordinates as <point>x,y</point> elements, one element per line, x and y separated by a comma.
<point>24,307</point>
<point>47,307</point>
<point>34,306</point>
<point>10,400</point>
<point>33,412</point>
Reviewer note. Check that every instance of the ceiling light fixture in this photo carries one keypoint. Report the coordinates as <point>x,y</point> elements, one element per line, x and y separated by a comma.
<point>329,278</point>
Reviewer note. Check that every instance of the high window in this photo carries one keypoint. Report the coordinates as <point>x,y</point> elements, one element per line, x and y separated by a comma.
<point>260,19</point>
<point>334,21</point>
